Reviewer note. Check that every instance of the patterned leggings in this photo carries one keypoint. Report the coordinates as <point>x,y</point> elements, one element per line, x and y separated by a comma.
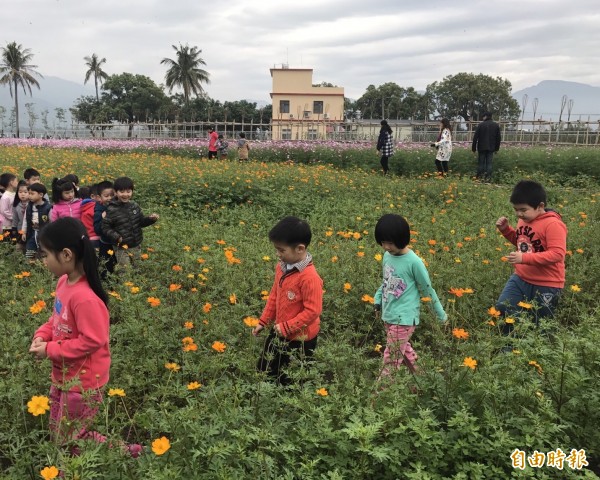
<point>398,349</point>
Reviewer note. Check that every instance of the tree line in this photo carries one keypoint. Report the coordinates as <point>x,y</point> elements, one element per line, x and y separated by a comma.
<point>130,98</point>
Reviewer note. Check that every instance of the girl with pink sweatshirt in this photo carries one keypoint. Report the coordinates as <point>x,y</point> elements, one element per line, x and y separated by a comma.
<point>64,199</point>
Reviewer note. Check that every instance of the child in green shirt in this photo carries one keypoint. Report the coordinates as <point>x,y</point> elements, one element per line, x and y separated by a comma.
<point>398,299</point>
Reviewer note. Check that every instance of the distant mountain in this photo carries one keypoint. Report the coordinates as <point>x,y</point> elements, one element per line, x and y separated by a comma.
<point>586,100</point>
<point>54,93</point>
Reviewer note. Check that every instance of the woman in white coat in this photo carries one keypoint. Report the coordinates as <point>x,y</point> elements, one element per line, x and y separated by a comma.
<point>444,147</point>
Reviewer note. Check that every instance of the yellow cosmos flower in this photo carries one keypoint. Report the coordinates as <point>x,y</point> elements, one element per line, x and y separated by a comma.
<point>525,305</point>
<point>233,299</point>
<point>38,405</point>
<point>575,288</point>
<point>172,366</point>
<point>193,386</point>
<point>116,392</point>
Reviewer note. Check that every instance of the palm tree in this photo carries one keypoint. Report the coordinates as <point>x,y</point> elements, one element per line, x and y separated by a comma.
<point>95,68</point>
<point>16,70</point>
<point>185,72</point>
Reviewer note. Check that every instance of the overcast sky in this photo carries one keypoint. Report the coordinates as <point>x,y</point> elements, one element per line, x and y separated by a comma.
<point>351,43</point>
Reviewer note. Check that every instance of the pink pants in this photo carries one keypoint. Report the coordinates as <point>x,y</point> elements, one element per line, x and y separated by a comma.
<point>398,349</point>
<point>71,414</point>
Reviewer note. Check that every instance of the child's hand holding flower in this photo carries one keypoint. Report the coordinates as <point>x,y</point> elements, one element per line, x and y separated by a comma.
<point>38,348</point>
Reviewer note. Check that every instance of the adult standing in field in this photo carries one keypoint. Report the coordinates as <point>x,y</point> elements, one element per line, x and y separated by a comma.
<point>486,141</point>
<point>385,145</point>
<point>213,137</point>
<point>443,144</point>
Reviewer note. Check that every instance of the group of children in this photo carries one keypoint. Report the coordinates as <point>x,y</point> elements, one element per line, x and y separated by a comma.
<point>76,336</point>
<point>219,147</point>
<point>113,221</point>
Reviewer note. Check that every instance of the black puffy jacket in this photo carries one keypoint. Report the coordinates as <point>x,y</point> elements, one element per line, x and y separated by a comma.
<point>125,221</point>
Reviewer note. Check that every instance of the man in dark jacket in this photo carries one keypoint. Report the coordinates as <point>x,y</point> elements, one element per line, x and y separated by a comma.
<point>486,141</point>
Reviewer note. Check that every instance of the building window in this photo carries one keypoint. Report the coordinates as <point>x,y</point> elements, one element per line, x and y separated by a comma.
<point>284,106</point>
<point>286,133</point>
<point>318,107</point>
<point>312,134</point>
<point>307,113</point>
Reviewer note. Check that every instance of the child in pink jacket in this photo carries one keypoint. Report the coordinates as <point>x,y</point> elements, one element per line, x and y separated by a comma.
<point>64,199</point>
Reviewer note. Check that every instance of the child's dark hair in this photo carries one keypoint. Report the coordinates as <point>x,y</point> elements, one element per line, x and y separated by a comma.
<point>291,231</point>
<point>123,183</point>
<point>392,228</point>
<point>68,232</point>
<point>105,184</point>
<point>6,178</point>
<point>85,192</point>
<point>30,172</point>
<point>38,187</point>
<point>71,177</point>
<point>528,192</point>
<point>93,190</point>
<point>60,185</point>
<point>17,200</point>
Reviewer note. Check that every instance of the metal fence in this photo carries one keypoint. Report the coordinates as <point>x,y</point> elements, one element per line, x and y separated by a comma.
<point>526,132</point>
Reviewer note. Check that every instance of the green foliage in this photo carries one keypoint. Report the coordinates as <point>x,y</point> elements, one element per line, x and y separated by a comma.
<point>468,96</point>
<point>459,424</point>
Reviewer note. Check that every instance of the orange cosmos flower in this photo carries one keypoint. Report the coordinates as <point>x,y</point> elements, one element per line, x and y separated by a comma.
<point>233,299</point>
<point>172,366</point>
<point>37,307</point>
<point>207,307</point>
<point>360,254</point>
<point>367,298</point>
<point>174,286</point>
<point>187,248</point>
<point>322,392</point>
<point>470,363</point>
<point>144,256</point>
<point>176,268</point>
<point>251,321</point>
<point>347,287</point>
<point>460,333</point>
<point>161,445</point>
<point>193,385</point>
<point>221,242</point>
<point>190,347</point>
<point>153,301</point>
<point>48,473</point>
<point>426,299</point>
<point>219,347</point>
<point>334,259</point>
<point>188,325</point>
<point>493,312</point>
<point>431,242</point>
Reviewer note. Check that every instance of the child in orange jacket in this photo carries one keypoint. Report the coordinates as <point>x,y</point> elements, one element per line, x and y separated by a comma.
<point>295,301</point>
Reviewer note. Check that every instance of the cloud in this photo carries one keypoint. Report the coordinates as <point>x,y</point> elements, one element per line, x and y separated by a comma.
<point>350,43</point>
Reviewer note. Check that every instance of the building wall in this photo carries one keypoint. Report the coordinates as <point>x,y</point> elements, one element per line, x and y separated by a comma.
<point>300,118</point>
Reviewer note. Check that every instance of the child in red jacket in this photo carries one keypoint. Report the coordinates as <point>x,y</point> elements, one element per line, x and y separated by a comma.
<point>539,261</point>
<point>295,301</point>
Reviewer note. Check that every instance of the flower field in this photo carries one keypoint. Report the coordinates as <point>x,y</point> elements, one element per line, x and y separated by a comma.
<point>183,381</point>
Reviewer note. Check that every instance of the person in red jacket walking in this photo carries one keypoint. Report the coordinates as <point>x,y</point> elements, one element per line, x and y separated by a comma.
<point>295,301</point>
<point>539,261</point>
